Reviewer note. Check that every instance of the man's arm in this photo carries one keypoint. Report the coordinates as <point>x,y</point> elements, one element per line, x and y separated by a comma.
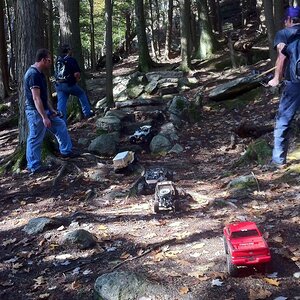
<point>40,107</point>
<point>279,66</point>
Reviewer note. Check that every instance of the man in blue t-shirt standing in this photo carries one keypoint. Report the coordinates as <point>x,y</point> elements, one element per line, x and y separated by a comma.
<point>290,99</point>
<point>67,85</point>
<point>40,114</point>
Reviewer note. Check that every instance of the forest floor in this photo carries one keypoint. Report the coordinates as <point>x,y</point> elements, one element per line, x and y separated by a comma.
<point>34,267</point>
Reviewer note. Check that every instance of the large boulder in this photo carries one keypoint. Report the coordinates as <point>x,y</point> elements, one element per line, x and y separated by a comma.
<point>160,144</point>
<point>105,144</point>
<point>109,123</point>
<point>78,238</point>
<point>41,224</point>
<point>178,109</point>
<point>130,286</point>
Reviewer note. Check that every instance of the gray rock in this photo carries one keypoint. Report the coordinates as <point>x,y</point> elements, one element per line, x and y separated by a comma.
<point>151,87</point>
<point>130,286</point>
<point>168,130</point>
<point>176,149</point>
<point>109,123</point>
<point>163,74</point>
<point>104,144</point>
<point>135,91</point>
<point>101,103</point>
<point>160,144</point>
<point>123,116</point>
<point>83,141</point>
<point>242,182</point>
<point>78,238</point>
<point>38,225</point>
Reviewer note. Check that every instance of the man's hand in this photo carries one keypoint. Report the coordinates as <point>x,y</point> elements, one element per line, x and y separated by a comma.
<point>77,76</point>
<point>47,122</point>
<point>274,82</point>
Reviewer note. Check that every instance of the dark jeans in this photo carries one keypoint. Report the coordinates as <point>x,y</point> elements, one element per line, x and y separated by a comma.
<point>64,91</point>
<point>289,104</point>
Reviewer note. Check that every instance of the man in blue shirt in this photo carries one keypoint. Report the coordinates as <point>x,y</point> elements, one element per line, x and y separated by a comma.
<point>290,99</point>
<point>67,84</point>
<point>40,114</point>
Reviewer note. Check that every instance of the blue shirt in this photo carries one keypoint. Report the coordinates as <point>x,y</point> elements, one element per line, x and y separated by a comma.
<point>284,36</point>
<point>33,78</point>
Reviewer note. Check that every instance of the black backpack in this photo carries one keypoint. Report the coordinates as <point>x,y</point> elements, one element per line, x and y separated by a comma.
<point>292,51</point>
<point>61,69</point>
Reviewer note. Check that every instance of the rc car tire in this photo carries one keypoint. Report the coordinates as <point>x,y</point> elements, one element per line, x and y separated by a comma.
<point>156,206</point>
<point>231,268</point>
<point>225,245</point>
<point>176,206</point>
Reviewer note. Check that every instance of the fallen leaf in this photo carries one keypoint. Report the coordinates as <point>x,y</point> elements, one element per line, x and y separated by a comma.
<point>217,282</point>
<point>198,246</point>
<point>184,290</point>
<point>17,266</point>
<point>102,227</point>
<point>259,294</point>
<point>125,255</point>
<point>150,235</point>
<point>75,285</point>
<point>8,242</point>
<point>158,257</point>
<point>38,282</point>
<point>272,281</point>
<point>53,246</point>
<point>278,239</point>
<point>44,296</point>
<point>176,224</point>
<point>172,254</point>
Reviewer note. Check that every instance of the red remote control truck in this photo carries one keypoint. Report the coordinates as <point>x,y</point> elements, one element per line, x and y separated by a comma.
<point>245,246</point>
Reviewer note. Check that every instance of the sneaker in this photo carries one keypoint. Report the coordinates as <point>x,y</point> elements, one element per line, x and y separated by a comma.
<point>70,155</point>
<point>41,169</point>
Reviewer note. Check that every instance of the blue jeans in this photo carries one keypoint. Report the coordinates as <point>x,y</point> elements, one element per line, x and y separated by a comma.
<point>288,106</point>
<point>64,91</point>
<point>36,136</point>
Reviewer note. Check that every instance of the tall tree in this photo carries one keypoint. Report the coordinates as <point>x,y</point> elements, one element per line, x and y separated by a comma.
<point>185,13</point>
<point>169,30</point>
<point>3,53</point>
<point>268,9</point>
<point>278,14</point>
<point>69,30</point>
<point>145,61</point>
<point>109,49</point>
<point>207,42</point>
<point>92,35</point>
<point>29,14</point>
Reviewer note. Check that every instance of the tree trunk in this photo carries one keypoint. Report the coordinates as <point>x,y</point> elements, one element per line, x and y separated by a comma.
<point>185,12</point>
<point>127,33</point>
<point>29,14</point>
<point>153,43</point>
<point>145,61</point>
<point>158,28</point>
<point>50,31</point>
<point>207,42</point>
<point>3,53</point>
<point>109,46</point>
<point>70,31</point>
<point>92,36</point>
<point>268,7</point>
<point>278,14</point>
<point>169,30</point>
<point>12,39</point>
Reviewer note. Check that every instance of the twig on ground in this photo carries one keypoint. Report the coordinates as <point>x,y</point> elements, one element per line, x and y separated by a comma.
<point>256,181</point>
<point>60,173</point>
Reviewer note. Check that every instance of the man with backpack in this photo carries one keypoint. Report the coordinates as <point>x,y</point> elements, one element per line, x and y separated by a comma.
<point>67,74</point>
<point>287,44</point>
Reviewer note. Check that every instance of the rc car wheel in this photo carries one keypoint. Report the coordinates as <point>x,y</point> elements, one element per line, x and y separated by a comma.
<point>156,206</point>
<point>225,245</point>
<point>264,268</point>
<point>231,268</point>
<point>176,206</point>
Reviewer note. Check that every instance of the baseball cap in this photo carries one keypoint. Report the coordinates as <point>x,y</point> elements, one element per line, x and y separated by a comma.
<point>293,12</point>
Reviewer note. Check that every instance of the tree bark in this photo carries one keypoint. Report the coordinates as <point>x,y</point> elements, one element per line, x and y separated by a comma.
<point>185,12</point>
<point>92,36</point>
<point>3,53</point>
<point>169,30</point>
<point>207,42</point>
<point>268,7</point>
<point>145,61</point>
<point>109,49</point>
<point>278,14</point>
<point>29,14</point>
